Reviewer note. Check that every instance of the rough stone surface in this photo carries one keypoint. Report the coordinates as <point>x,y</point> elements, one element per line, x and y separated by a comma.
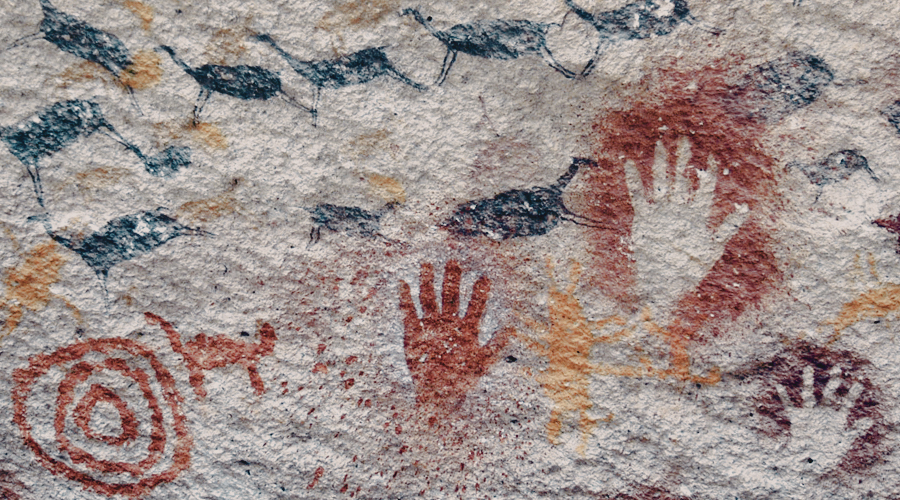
<point>499,249</point>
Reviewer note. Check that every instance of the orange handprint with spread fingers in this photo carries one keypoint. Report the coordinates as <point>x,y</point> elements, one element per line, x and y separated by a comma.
<point>442,349</point>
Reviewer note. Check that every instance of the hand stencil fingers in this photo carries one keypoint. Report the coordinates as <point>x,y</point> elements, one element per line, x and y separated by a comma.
<point>833,383</point>
<point>426,292</point>
<point>411,324</point>
<point>660,186</point>
<point>477,303</point>
<point>852,395</point>
<point>783,395</point>
<point>732,223</point>
<point>682,160</point>
<point>807,393</point>
<point>635,186</point>
<point>706,189</point>
<point>450,293</point>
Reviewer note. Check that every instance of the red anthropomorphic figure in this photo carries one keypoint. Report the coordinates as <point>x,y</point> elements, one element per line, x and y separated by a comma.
<point>206,353</point>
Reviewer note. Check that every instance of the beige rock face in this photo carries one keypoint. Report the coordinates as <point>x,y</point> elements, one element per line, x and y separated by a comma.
<point>501,249</point>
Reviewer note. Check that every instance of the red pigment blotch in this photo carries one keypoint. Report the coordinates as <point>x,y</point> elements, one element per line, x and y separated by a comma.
<point>316,476</point>
<point>692,105</point>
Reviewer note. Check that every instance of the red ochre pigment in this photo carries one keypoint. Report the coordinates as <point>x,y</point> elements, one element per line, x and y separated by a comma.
<point>692,105</point>
<point>67,359</point>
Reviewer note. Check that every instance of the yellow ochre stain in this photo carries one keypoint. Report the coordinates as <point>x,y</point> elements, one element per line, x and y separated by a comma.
<point>208,134</point>
<point>144,72</point>
<point>211,208</point>
<point>143,11</point>
<point>386,188</point>
<point>876,303</point>
<point>28,285</point>
<point>567,345</point>
<point>679,359</point>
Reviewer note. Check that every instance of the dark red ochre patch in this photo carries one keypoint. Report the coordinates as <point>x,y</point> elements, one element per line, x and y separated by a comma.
<point>692,105</point>
<point>76,371</point>
<point>786,370</point>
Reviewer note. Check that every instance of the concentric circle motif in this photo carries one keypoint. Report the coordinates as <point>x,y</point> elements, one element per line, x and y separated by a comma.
<point>117,427</point>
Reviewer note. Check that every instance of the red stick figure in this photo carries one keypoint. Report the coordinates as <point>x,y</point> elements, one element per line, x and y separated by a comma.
<point>206,353</point>
<point>442,349</point>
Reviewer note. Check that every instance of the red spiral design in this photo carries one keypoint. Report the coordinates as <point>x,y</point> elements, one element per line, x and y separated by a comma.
<point>103,475</point>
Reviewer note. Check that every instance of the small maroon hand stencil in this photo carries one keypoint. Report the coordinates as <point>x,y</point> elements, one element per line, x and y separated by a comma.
<point>442,349</point>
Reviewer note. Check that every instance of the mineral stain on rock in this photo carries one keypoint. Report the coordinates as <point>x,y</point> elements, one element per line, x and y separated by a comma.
<point>28,285</point>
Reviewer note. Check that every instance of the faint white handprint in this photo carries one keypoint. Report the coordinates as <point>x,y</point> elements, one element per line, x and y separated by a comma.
<point>819,434</point>
<point>672,243</point>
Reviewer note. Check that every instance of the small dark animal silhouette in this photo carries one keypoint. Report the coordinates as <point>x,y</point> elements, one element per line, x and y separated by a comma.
<point>837,166</point>
<point>635,21</point>
<point>348,220</point>
<point>121,239</point>
<point>780,87</point>
<point>892,113</point>
<point>495,39</point>
<point>353,69</point>
<point>243,82</point>
<point>207,353</point>
<point>59,125</point>
<point>83,40</point>
<point>519,212</point>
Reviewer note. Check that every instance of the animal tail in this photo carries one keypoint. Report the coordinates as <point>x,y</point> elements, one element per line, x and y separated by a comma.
<point>174,336</point>
<point>134,100</point>
<point>178,60</point>
<point>25,39</point>
<point>421,19</point>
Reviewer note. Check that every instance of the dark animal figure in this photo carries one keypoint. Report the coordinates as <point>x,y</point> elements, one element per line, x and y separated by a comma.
<point>634,21</point>
<point>348,220</point>
<point>82,40</point>
<point>59,125</point>
<point>519,212</point>
<point>837,166</point>
<point>206,353</point>
<point>892,113</point>
<point>353,69</point>
<point>121,239</point>
<point>243,82</point>
<point>777,88</point>
<point>497,39</point>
